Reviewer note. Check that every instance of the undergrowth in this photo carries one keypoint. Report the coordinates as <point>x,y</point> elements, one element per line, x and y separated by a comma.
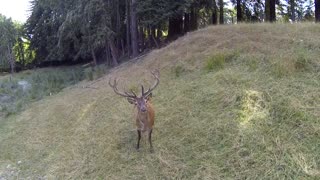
<point>41,83</point>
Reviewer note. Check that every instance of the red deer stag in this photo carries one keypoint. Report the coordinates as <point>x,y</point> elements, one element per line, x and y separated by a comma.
<point>144,110</point>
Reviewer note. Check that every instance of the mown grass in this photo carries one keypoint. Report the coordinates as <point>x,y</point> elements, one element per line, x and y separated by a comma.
<point>255,118</point>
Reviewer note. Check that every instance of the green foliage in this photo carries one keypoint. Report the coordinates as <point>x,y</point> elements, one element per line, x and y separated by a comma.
<point>154,13</point>
<point>44,82</point>
<point>74,29</point>
<point>8,35</point>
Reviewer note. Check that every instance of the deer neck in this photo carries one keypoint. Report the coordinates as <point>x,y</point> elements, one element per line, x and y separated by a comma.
<point>142,121</point>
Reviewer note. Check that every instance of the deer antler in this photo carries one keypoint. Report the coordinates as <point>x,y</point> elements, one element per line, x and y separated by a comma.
<point>155,74</point>
<point>124,94</point>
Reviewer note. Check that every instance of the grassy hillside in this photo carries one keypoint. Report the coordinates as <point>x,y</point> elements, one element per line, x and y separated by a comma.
<point>234,102</point>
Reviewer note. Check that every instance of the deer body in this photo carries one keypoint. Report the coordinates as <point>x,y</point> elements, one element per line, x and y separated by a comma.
<point>144,124</point>
<point>145,113</point>
<point>145,120</point>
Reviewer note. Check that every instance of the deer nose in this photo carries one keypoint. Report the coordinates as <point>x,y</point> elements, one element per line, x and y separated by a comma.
<point>143,109</point>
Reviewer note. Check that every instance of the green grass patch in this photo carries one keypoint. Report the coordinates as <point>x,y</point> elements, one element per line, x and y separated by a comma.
<point>215,62</point>
<point>178,70</point>
<point>218,61</point>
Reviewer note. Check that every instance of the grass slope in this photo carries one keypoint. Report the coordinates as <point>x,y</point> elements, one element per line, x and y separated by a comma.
<point>234,102</point>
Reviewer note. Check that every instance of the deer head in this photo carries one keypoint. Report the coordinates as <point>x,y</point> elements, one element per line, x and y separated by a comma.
<point>139,101</point>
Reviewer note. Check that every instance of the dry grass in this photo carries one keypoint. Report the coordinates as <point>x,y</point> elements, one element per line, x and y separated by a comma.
<point>255,118</point>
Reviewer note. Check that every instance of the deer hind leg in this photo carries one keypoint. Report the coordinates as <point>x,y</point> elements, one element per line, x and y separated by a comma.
<point>150,141</point>
<point>139,137</point>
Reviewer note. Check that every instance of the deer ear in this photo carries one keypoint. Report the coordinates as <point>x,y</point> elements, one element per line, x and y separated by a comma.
<point>131,101</point>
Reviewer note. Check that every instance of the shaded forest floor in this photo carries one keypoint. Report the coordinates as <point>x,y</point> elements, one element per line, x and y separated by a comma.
<point>239,102</point>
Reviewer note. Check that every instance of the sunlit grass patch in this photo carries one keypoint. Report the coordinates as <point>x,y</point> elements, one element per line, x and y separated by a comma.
<point>253,107</point>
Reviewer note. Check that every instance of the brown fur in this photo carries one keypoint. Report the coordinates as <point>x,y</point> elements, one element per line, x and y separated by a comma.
<point>145,120</point>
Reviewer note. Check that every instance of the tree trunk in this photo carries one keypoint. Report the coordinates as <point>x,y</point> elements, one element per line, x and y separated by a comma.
<point>94,58</point>
<point>108,55</point>
<point>272,10</point>
<point>214,16</point>
<point>175,27</point>
<point>317,10</point>
<point>239,12</point>
<point>193,19</point>
<point>159,34</point>
<point>293,12</point>
<point>114,53</point>
<point>152,37</point>
<point>186,23</point>
<point>11,59</point>
<point>122,47</point>
<point>134,29</point>
<point>118,24</point>
<point>128,26</point>
<point>221,18</point>
<point>142,40</point>
<point>267,11</point>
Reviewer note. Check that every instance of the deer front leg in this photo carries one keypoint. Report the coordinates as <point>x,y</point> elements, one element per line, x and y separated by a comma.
<point>150,141</point>
<point>139,137</point>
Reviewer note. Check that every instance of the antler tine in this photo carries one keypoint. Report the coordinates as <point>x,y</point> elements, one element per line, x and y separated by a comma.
<point>132,93</point>
<point>155,71</point>
<point>142,90</point>
<point>115,89</point>
<point>154,85</point>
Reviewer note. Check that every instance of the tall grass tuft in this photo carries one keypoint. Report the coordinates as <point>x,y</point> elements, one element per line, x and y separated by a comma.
<point>219,60</point>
